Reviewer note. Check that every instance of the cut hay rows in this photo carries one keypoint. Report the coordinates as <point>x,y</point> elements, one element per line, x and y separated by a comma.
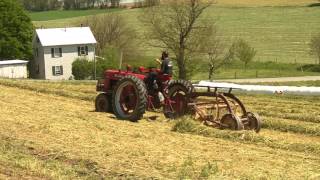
<point>83,91</point>
<point>255,3</point>
<point>47,134</point>
<point>187,125</point>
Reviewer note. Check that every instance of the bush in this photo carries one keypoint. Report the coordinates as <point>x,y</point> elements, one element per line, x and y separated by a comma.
<point>82,69</point>
<point>310,68</point>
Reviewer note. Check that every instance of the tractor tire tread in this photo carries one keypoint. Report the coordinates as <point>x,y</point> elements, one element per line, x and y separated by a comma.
<point>142,98</point>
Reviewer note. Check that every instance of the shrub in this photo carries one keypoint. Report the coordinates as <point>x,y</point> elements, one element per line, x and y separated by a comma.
<point>310,67</point>
<point>82,69</point>
<point>243,52</point>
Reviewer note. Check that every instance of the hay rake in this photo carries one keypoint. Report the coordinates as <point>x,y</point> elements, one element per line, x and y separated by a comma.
<point>220,109</point>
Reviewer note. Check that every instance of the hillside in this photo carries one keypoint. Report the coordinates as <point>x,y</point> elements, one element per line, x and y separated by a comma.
<point>49,130</point>
<point>279,34</point>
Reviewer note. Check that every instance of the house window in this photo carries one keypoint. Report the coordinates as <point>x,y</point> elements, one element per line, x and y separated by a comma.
<point>83,50</point>
<point>56,52</point>
<point>57,70</point>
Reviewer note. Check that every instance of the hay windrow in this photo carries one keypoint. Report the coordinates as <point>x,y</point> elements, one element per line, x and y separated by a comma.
<point>188,125</point>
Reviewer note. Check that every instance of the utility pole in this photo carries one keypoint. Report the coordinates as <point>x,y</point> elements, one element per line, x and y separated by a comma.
<point>121,58</point>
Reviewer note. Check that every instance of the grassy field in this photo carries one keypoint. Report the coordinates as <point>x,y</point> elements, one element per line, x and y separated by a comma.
<point>279,34</point>
<point>50,131</point>
<point>280,31</point>
<point>58,15</point>
<point>254,70</point>
<point>295,83</point>
<point>259,3</point>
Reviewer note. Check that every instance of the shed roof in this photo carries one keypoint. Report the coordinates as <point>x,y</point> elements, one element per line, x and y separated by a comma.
<point>11,62</point>
<point>65,36</point>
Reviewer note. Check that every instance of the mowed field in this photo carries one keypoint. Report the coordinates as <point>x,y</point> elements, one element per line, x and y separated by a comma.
<point>259,3</point>
<point>279,30</point>
<point>49,130</point>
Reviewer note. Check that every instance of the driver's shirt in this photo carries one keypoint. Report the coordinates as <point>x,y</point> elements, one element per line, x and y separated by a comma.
<point>166,66</point>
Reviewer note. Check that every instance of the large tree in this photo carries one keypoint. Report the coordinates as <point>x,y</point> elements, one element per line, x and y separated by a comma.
<point>16,31</point>
<point>113,32</point>
<point>217,55</point>
<point>177,26</point>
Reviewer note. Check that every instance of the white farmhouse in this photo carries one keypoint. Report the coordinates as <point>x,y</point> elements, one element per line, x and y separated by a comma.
<point>13,69</point>
<point>56,49</point>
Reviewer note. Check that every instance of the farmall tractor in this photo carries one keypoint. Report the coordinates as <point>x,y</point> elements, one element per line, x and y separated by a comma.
<point>128,95</point>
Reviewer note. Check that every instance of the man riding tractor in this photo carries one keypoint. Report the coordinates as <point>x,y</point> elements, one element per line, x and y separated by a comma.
<point>166,69</point>
<point>128,93</point>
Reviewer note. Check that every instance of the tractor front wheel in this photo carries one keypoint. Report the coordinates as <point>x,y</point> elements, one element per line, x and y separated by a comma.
<point>103,103</point>
<point>129,98</point>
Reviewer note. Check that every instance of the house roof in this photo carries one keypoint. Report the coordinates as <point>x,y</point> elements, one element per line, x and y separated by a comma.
<point>66,36</point>
<point>11,62</point>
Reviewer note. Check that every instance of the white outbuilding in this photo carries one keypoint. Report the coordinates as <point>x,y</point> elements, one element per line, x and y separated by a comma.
<point>13,69</point>
<point>56,49</point>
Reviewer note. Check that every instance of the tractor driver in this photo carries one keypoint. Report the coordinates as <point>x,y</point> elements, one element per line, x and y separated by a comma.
<point>166,68</point>
<point>166,65</point>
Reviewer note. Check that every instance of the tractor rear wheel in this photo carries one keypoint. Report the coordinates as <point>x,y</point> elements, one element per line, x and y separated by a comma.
<point>178,92</point>
<point>129,98</point>
<point>103,103</point>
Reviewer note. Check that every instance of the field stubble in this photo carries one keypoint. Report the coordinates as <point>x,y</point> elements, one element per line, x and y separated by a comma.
<point>46,133</point>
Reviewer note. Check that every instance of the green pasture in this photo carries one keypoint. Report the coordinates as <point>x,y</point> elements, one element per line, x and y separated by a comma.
<point>295,83</point>
<point>279,34</point>
<point>60,14</point>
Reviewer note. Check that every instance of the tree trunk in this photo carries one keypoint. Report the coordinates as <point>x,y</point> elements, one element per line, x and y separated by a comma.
<point>210,72</point>
<point>181,65</point>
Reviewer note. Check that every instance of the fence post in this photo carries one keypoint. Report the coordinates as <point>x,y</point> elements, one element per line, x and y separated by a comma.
<point>235,75</point>
<point>257,73</point>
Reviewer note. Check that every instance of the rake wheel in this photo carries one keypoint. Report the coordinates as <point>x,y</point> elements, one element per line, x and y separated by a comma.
<point>231,122</point>
<point>254,122</point>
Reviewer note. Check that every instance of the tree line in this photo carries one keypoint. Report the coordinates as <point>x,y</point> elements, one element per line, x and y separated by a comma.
<point>45,5</point>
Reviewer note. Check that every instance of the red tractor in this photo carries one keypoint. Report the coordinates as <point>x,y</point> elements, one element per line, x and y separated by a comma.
<point>128,95</point>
